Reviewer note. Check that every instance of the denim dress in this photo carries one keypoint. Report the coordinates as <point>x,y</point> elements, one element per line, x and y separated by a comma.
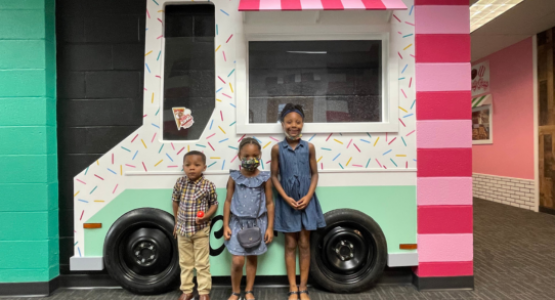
<point>248,199</point>
<point>294,170</point>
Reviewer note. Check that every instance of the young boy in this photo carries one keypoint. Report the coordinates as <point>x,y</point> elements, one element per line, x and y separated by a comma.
<point>192,194</point>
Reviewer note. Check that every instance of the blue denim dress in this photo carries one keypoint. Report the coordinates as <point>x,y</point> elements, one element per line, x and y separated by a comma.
<point>294,170</point>
<point>248,199</point>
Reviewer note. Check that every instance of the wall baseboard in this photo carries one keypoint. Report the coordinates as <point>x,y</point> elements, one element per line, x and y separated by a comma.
<point>443,283</point>
<point>33,289</point>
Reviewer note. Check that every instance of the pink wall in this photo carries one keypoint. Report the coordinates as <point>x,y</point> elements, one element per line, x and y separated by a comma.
<point>512,88</point>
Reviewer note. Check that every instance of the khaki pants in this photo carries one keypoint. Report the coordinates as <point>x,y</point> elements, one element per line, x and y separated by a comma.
<point>194,252</point>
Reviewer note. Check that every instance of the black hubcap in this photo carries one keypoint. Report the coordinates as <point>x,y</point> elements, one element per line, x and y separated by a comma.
<point>147,251</point>
<point>345,250</point>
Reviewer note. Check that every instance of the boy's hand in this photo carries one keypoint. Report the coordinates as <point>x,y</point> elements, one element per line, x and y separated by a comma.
<point>227,233</point>
<point>292,202</point>
<point>269,236</point>
<point>202,220</point>
<point>303,203</point>
<point>175,230</point>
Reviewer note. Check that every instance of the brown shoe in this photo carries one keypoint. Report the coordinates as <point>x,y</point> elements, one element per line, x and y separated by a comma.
<point>204,297</point>
<point>186,296</point>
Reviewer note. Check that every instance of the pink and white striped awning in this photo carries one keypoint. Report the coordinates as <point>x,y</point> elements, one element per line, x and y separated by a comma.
<point>260,5</point>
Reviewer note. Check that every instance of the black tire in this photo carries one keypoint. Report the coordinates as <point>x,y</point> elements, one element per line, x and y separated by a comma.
<point>349,254</point>
<point>140,252</point>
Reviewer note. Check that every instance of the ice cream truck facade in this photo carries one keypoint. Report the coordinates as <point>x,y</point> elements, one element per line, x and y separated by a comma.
<point>217,71</point>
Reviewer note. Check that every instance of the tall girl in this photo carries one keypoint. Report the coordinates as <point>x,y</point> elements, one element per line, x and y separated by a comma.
<point>249,197</point>
<point>298,211</point>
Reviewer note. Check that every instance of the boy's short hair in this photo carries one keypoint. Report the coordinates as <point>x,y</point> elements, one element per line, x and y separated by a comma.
<point>195,152</point>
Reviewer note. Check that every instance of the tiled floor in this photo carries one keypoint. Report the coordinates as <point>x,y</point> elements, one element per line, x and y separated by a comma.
<point>514,259</point>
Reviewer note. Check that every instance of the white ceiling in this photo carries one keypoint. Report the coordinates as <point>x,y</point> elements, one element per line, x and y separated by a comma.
<point>524,20</point>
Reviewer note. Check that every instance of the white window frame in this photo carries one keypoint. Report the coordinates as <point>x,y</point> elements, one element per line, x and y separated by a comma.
<point>390,91</point>
<point>490,140</point>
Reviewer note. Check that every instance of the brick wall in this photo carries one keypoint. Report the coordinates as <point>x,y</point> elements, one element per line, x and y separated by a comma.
<point>100,75</point>
<point>28,161</point>
<point>511,191</point>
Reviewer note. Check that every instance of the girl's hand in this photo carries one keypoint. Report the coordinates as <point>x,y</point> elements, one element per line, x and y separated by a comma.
<point>269,236</point>
<point>227,233</point>
<point>303,203</point>
<point>292,202</point>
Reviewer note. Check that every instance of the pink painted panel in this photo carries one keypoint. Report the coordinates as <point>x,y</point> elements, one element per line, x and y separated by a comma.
<point>311,5</point>
<point>445,219</point>
<point>443,77</point>
<point>353,4</point>
<point>444,134</point>
<point>444,190</point>
<point>270,5</point>
<point>394,4</point>
<point>445,247</point>
<point>442,19</point>
<point>512,88</point>
<point>444,269</point>
<point>249,5</point>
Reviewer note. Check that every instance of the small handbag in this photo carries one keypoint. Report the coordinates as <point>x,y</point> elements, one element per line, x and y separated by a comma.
<point>250,237</point>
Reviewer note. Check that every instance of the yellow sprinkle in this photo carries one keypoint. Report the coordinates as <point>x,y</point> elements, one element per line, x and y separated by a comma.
<point>401,155</point>
<point>158,162</point>
<point>218,48</point>
<point>319,159</point>
<point>266,145</point>
<point>188,148</point>
<point>221,129</point>
<point>148,53</point>
<point>121,170</point>
<point>376,141</point>
<point>218,100</point>
<point>97,163</point>
<point>231,87</point>
<point>338,141</point>
<point>75,195</point>
<point>152,99</point>
<point>403,109</point>
<point>98,200</point>
<point>215,157</point>
<point>143,143</point>
<point>407,47</point>
<point>161,11</point>
<point>349,161</point>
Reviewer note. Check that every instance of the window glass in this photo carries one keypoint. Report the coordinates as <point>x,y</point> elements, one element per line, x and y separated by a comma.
<point>334,81</point>
<point>189,80</point>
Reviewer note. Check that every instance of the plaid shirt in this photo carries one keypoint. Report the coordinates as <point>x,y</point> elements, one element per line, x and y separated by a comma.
<point>193,196</point>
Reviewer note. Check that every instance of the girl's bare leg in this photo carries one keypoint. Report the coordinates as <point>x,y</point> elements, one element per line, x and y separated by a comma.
<point>252,262</point>
<point>237,264</point>
<point>291,261</point>
<point>304,261</point>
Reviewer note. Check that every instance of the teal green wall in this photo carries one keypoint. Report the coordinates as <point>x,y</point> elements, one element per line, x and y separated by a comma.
<point>29,250</point>
<point>392,207</point>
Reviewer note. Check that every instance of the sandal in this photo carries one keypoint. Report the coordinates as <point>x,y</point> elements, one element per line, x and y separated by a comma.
<point>303,292</point>
<point>249,292</point>
<point>236,294</point>
<point>291,293</point>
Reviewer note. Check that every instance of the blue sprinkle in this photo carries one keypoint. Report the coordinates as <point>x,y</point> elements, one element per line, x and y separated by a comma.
<point>219,89</point>
<point>155,2</point>
<point>262,164</point>
<point>202,146</point>
<point>216,29</point>
<point>327,149</point>
<point>75,243</point>
<point>86,170</point>
<point>112,171</point>
<point>224,140</point>
<point>93,190</point>
<point>362,140</point>
<point>135,155</point>
<point>159,53</point>
<point>155,125</point>
<point>157,112</point>
<point>368,163</point>
<point>146,29</point>
<point>231,72</point>
<point>224,12</point>
<point>404,141</point>
<point>341,166</point>
<point>413,103</point>
<point>369,135</point>
<point>232,124</point>
<point>406,116</point>
<point>340,134</point>
<point>211,123</point>
<point>411,8</point>
<point>404,69</point>
<point>401,78</point>
<point>85,201</point>
<point>162,147</point>
<point>336,157</point>
<point>223,164</point>
<point>388,151</point>
<point>414,159</point>
<point>393,161</point>
<point>404,36</point>
<point>311,138</point>
<point>147,67</point>
<point>232,104</point>
<point>257,139</point>
<point>169,157</point>
<point>212,164</point>
<point>234,148</point>
<point>78,247</point>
